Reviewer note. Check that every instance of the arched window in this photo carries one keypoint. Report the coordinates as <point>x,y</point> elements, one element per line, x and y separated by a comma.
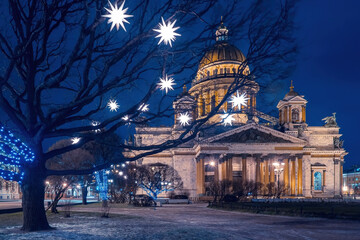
<point>295,115</point>
<point>317,181</point>
<point>212,102</point>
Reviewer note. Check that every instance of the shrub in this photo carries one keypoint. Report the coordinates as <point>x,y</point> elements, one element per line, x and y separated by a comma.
<point>230,198</point>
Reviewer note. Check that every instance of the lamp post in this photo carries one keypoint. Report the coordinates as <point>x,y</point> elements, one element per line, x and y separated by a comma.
<point>279,168</point>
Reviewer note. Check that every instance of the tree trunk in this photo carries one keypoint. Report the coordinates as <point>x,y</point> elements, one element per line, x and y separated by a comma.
<point>33,191</point>
<point>84,192</point>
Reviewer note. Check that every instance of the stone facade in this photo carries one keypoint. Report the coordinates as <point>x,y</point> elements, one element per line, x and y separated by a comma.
<point>9,190</point>
<point>246,151</point>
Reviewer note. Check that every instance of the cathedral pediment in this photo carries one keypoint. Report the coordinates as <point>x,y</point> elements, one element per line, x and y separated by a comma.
<point>254,133</point>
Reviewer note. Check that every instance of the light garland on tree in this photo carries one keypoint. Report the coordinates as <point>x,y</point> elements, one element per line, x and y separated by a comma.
<point>102,183</point>
<point>166,84</point>
<point>184,119</point>
<point>13,155</point>
<point>227,118</point>
<point>239,100</point>
<point>167,32</point>
<point>117,16</point>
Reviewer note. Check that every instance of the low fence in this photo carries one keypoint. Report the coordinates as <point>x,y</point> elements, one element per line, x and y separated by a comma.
<point>305,209</point>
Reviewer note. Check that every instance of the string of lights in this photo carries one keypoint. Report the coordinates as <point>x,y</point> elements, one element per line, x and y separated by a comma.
<point>13,155</point>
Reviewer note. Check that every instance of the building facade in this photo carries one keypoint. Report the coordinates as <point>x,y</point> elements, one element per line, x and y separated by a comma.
<point>351,179</point>
<point>244,151</point>
<point>9,190</point>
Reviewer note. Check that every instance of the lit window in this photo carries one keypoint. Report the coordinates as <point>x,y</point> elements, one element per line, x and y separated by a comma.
<point>317,181</point>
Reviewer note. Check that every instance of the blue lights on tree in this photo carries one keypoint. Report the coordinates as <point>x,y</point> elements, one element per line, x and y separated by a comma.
<point>13,155</point>
<point>102,184</point>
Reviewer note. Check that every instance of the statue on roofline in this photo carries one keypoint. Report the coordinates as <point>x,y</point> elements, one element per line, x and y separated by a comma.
<point>330,121</point>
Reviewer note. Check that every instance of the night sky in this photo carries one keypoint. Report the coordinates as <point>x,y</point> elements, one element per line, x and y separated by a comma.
<point>328,66</point>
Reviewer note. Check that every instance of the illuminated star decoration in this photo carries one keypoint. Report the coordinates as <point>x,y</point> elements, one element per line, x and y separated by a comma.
<point>239,100</point>
<point>75,140</point>
<point>126,119</point>
<point>166,84</point>
<point>144,107</point>
<point>227,118</point>
<point>117,16</point>
<point>184,119</point>
<point>113,105</point>
<point>94,124</point>
<point>167,32</point>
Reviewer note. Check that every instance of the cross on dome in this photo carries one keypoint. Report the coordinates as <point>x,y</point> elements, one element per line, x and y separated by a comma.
<point>221,32</point>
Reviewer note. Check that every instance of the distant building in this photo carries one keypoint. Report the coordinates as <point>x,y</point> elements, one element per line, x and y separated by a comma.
<point>351,179</point>
<point>246,150</point>
<point>9,190</point>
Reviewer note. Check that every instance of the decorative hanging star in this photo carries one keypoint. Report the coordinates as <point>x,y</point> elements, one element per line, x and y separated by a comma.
<point>113,105</point>
<point>144,107</point>
<point>184,119</point>
<point>227,118</point>
<point>94,124</point>
<point>117,16</point>
<point>166,84</point>
<point>75,140</point>
<point>238,100</point>
<point>125,118</point>
<point>167,32</point>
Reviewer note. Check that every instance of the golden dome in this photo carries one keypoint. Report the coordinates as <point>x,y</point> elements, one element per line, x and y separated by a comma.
<point>221,51</point>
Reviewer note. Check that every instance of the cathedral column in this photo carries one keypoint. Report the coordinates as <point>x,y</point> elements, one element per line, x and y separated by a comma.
<point>324,182</point>
<point>230,169</point>
<point>337,177</point>
<point>257,172</point>
<point>200,176</point>
<point>341,174</point>
<point>207,102</point>
<point>216,171</point>
<point>272,173</point>
<point>289,113</point>
<point>312,180</point>
<point>211,94</point>
<point>292,185</point>
<point>286,114</point>
<point>303,113</point>
<point>217,101</point>
<point>300,185</point>
<point>286,174</point>
<point>200,103</point>
<point>244,169</point>
<point>262,173</point>
<point>266,172</point>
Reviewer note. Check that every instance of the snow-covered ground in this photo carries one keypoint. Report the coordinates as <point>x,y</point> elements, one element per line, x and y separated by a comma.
<point>185,222</point>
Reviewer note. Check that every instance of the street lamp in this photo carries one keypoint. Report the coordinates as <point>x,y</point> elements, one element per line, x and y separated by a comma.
<point>279,168</point>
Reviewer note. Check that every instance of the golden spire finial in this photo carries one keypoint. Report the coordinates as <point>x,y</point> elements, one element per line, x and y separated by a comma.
<point>292,86</point>
<point>184,88</point>
<point>221,21</point>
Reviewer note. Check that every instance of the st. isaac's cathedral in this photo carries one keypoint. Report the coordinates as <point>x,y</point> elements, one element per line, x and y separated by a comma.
<point>308,159</point>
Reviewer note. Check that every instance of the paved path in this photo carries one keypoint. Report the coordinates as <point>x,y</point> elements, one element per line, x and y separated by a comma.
<point>238,225</point>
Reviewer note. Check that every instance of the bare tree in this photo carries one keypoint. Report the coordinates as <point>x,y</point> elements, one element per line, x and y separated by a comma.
<point>157,178</point>
<point>61,65</point>
<point>76,159</point>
